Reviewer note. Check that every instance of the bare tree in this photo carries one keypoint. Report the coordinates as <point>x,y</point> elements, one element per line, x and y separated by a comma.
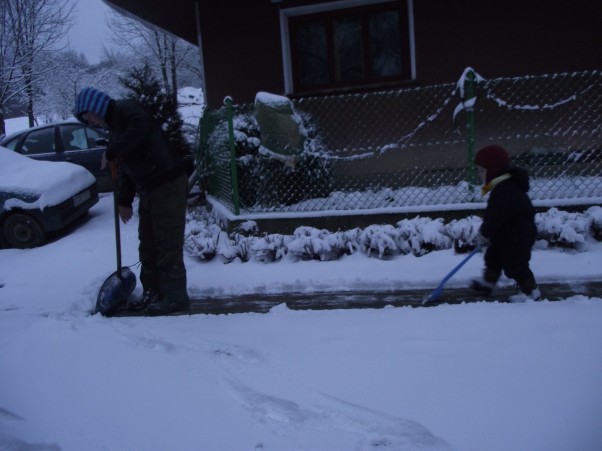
<point>34,27</point>
<point>164,52</point>
<point>10,62</point>
<point>72,72</point>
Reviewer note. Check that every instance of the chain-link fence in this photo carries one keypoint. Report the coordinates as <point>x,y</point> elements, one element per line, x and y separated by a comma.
<point>409,147</point>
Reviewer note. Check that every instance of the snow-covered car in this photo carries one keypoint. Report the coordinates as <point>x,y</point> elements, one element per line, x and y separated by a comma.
<point>69,141</point>
<point>39,197</point>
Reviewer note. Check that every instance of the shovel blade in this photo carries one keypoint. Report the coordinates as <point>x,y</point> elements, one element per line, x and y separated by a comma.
<point>115,290</point>
<point>433,296</point>
<point>437,292</point>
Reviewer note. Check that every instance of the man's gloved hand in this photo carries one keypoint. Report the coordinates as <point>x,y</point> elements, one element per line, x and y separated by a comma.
<point>482,242</point>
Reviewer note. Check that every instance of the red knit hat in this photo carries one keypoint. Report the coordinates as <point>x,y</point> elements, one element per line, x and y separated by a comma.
<point>494,159</point>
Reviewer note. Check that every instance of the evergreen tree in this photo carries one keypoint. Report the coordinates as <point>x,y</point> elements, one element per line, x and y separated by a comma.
<point>143,86</point>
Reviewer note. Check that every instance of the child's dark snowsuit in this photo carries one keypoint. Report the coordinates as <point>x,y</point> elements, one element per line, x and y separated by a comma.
<point>509,220</point>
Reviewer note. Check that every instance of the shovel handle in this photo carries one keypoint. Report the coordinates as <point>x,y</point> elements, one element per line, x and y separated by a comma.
<point>114,168</point>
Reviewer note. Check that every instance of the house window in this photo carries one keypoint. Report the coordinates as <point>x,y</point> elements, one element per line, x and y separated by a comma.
<point>346,44</point>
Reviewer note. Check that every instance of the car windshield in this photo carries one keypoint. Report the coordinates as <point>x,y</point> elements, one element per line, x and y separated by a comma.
<point>11,144</point>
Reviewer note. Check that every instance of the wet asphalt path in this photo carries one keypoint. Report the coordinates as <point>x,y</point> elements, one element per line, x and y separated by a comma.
<point>262,303</point>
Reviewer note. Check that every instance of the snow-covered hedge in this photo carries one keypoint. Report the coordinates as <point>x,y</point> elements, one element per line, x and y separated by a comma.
<point>205,238</point>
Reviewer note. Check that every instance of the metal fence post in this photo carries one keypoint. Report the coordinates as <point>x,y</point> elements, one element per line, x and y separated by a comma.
<point>233,171</point>
<point>470,129</point>
<point>200,154</point>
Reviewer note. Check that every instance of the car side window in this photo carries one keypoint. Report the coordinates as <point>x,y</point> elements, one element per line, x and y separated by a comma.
<point>39,141</point>
<point>74,137</point>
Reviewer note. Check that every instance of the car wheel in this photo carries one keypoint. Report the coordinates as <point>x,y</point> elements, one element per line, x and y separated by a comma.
<point>21,231</point>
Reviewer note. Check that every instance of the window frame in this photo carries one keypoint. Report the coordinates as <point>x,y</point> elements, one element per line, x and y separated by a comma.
<point>329,10</point>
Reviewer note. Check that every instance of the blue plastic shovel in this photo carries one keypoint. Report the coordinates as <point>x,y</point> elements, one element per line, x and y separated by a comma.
<point>437,291</point>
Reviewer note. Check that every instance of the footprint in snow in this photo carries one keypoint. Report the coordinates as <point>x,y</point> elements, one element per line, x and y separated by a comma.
<point>374,430</point>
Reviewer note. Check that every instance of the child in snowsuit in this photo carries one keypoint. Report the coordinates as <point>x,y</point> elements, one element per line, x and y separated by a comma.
<point>508,229</point>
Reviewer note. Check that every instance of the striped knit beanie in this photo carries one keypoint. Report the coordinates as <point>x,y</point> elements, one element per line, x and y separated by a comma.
<point>91,99</point>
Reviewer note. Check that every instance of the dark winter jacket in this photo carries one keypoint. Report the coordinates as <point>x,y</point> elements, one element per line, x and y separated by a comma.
<point>145,157</point>
<point>510,216</point>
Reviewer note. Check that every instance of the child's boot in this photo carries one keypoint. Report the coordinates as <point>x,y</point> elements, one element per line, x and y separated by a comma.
<point>529,290</point>
<point>486,283</point>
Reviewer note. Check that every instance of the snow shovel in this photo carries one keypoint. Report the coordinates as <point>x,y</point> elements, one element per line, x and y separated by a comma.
<point>437,291</point>
<point>118,286</point>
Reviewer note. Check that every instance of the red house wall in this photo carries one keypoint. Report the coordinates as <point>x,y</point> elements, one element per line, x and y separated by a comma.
<point>498,38</point>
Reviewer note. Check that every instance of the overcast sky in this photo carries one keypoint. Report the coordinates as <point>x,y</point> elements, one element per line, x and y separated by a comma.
<point>90,32</point>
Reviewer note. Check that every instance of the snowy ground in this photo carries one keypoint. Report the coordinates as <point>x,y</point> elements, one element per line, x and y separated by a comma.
<point>472,377</point>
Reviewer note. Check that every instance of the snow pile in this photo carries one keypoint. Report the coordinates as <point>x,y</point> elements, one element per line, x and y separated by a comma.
<point>422,235</point>
<point>464,232</point>
<point>309,243</point>
<point>201,239</point>
<point>190,106</point>
<point>270,248</point>
<point>190,96</point>
<point>566,229</point>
